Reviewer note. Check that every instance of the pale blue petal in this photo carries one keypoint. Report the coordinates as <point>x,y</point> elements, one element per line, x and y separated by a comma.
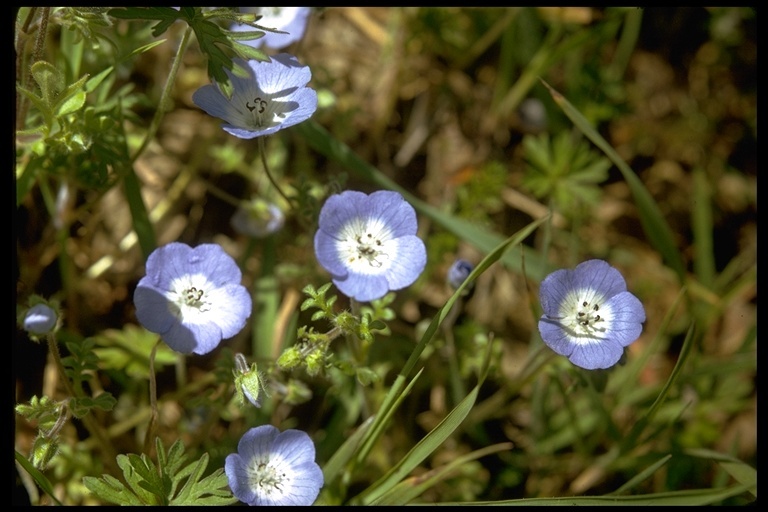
<point>599,276</point>
<point>628,315</point>
<point>283,75</point>
<point>328,255</point>
<point>363,287</point>
<point>152,308</point>
<point>594,356</point>
<point>237,475</point>
<point>189,338</point>
<point>217,266</point>
<point>408,262</point>
<point>339,209</point>
<point>231,307</point>
<point>393,211</point>
<point>553,291</point>
<point>555,336</point>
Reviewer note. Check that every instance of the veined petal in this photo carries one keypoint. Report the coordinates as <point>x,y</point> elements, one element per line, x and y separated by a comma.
<point>594,356</point>
<point>191,297</point>
<point>328,254</point>
<point>600,276</point>
<point>152,308</point>
<point>282,74</point>
<point>409,263</point>
<point>271,97</point>
<point>368,243</point>
<point>628,318</point>
<point>231,305</point>
<point>274,468</point>
<point>589,316</point>
<point>213,101</point>
<point>392,210</point>
<point>362,287</point>
<point>339,209</point>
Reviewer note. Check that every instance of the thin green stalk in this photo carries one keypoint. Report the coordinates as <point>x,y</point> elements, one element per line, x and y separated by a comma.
<point>263,154</point>
<point>165,96</point>
<point>152,399</point>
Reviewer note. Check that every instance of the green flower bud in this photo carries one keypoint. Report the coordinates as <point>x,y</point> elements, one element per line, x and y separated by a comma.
<point>315,362</point>
<point>290,358</point>
<point>43,451</point>
<point>248,381</point>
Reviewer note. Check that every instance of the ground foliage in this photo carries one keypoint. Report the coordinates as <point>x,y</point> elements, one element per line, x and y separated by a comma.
<point>460,107</point>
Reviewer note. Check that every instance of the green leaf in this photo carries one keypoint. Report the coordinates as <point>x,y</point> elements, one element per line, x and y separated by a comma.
<point>692,497</point>
<point>50,80</point>
<point>37,475</point>
<point>128,350</point>
<point>413,487</point>
<point>111,490</point>
<point>148,484</point>
<point>345,452</point>
<point>164,15</point>
<point>72,98</point>
<point>426,446</point>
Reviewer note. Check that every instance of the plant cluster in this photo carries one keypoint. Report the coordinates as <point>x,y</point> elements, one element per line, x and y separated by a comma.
<point>281,349</point>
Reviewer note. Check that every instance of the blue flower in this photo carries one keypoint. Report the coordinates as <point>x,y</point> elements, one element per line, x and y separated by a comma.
<point>292,20</point>
<point>368,243</point>
<point>458,273</point>
<point>589,316</point>
<point>273,96</point>
<point>192,297</point>
<point>40,319</point>
<point>274,468</point>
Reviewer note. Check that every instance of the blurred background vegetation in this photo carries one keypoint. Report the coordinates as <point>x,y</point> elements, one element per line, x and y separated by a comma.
<point>448,104</point>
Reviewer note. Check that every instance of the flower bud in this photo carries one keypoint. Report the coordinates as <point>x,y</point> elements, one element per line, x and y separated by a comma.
<point>458,273</point>
<point>40,319</point>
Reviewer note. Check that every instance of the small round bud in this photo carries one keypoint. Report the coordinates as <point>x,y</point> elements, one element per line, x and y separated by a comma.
<point>458,273</point>
<point>40,319</point>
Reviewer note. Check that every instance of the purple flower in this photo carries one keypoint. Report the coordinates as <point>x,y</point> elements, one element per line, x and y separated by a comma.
<point>589,316</point>
<point>40,319</point>
<point>192,297</point>
<point>285,19</point>
<point>368,243</point>
<point>273,96</point>
<point>274,468</point>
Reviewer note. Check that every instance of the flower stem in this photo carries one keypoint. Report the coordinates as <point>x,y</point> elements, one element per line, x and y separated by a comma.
<point>152,399</point>
<point>263,154</point>
<point>165,96</point>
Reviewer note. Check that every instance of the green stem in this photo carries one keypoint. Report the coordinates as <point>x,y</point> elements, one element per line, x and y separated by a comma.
<point>152,399</point>
<point>263,155</point>
<point>165,96</point>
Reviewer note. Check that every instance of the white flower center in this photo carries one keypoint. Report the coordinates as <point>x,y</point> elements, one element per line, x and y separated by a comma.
<point>584,314</point>
<point>365,245</point>
<point>187,299</point>
<point>267,477</point>
<point>265,112</point>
